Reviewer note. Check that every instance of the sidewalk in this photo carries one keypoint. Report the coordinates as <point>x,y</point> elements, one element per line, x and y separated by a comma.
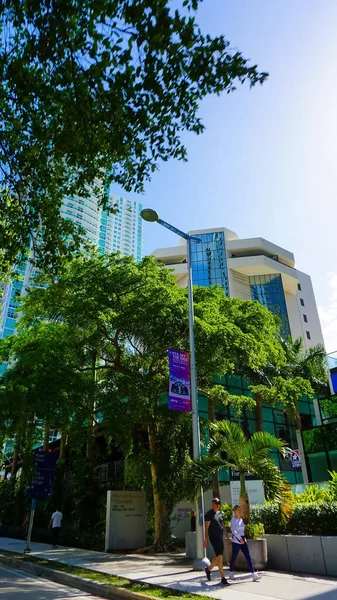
<point>174,571</point>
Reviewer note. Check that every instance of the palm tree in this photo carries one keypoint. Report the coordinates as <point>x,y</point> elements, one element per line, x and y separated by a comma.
<point>231,449</point>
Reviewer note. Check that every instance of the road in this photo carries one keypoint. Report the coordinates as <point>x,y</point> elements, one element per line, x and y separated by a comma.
<point>17,585</point>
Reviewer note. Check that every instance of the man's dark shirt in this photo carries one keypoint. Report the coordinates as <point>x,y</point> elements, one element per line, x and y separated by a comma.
<point>216,526</point>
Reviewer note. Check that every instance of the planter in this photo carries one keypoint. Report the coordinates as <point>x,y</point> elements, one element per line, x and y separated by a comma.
<point>312,554</point>
<point>258,552</point>
<point>257,548</point>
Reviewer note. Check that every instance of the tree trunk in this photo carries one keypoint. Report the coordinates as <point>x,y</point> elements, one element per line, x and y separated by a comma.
<point>215,474</point>
<point>46,437</point>
<point>15,459</point>
<point>244,499</point>
<point>62,445</point>
<point>90,429</point>
<point>161,525</point>
<point>258,413</point>
<point>297,419</point>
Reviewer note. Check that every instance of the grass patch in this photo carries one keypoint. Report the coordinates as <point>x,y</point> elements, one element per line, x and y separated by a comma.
<point>148,590</point>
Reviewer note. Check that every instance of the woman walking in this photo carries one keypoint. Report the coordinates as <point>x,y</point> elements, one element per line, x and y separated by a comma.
<point>239,542</point>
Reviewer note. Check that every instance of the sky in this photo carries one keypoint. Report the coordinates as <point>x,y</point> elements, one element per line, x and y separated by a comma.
<point>267,162</point>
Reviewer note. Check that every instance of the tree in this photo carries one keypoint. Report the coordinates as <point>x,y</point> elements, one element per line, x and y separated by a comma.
<point>230,449</point>
<point>129,314</point>
<point>96,89</point>
<point>41,385</point>
<point>303,372</point>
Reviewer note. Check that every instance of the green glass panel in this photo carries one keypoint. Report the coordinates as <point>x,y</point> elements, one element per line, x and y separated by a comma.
<point>269,427</point>
<point>267,413</point>
<point>224,475</point>
<point>279,417</point>
<point>304,408</point>
<point>318,466</point>
<point>290,476</point>
<point>333,459</point>
<point>299,476</point>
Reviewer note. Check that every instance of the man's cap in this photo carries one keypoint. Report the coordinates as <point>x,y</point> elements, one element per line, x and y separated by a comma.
<point>216,501</point>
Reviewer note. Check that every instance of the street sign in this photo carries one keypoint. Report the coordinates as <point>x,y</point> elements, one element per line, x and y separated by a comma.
<point>42,482</point>
<point>295,459</point>
<point>235,475</point>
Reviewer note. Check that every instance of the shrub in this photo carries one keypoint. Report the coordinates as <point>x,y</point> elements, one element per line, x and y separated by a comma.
<point>312,494</point>
<point>306,519</point>
<point>254,531</point>
<point>227,513</point>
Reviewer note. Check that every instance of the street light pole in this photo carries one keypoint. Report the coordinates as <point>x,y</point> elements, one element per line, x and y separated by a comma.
<point>200,562</point>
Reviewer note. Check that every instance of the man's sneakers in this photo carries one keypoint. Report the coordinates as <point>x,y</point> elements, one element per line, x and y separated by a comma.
<point>256,577</point>
<point>224,581</point>
<point>231,575</point>
<point>208,574</point>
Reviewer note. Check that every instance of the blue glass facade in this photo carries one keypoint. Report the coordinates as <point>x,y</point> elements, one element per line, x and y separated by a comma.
<point>268,290</point>
<point>209,264</point>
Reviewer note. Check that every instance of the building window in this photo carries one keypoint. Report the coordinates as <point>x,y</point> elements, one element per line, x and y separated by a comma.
<point>268,290</point>
<point>308,335</point>
<point>302,301</point>
<point>305,318</point>
<point>299,286</point>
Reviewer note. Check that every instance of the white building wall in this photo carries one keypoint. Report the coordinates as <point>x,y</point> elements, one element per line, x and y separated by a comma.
<point>306,296</point>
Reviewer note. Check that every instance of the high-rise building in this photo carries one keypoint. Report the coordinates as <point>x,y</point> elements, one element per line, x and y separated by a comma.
<point>109,232</point>
<point>122,231</point>
<point>251,269</point>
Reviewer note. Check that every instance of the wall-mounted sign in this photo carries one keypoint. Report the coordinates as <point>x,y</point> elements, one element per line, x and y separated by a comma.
<point>295,459</point>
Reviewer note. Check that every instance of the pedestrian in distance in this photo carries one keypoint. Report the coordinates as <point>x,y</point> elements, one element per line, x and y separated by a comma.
<point>193,520</point>
<point>55,524</point>
<point>239,542</point>
<point>214,532</point>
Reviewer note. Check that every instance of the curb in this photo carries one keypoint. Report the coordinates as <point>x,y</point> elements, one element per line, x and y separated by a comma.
<point>84,585</point>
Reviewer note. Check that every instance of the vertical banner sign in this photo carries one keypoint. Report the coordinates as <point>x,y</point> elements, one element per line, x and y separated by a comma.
<point>180,380</point>
<point>43,479</point>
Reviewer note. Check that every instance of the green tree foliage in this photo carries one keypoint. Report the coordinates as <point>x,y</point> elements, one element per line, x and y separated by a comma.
<point>302,373</point>
<point>96,89</point>
<point>121,317</point>
<point>230,449</point>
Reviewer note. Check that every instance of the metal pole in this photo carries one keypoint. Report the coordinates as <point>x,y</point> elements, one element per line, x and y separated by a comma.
<point>200,561</point>
<point>31,520</point>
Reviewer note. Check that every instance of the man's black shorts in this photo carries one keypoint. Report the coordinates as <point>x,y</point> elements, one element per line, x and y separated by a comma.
<point>218,546</point>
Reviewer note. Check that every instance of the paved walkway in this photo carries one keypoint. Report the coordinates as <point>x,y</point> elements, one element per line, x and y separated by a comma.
<point>174,571</point>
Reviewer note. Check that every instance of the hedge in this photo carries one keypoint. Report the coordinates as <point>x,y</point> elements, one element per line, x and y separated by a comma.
<point>306,519</point>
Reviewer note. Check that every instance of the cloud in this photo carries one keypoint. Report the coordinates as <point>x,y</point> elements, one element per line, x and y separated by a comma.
<point>328,315</point>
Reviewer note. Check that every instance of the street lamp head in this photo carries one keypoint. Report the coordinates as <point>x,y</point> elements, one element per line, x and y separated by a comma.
<point>150,215</point>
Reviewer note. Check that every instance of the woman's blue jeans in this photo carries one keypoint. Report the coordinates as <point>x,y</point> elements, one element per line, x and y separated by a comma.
<point>235,551</point>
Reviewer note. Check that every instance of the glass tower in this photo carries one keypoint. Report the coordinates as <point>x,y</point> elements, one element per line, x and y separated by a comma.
<point>268,290</point>
<point>209,265</point>
<point>121,232</point>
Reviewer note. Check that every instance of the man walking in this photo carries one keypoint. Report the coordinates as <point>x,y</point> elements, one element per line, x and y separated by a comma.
<point>55,524</point>
<point>214,532</point>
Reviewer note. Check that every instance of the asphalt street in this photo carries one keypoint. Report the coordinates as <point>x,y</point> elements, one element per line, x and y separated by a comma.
<point>16,585</point>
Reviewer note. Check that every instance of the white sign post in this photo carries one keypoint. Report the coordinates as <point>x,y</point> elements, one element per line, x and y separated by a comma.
<point>255,492</point>
<point>125,520</point>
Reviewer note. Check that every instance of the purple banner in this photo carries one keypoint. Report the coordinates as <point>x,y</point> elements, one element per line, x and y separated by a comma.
<point>180,380</point>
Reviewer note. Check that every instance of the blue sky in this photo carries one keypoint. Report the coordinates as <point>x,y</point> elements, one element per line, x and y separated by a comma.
<point>267,162</point>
